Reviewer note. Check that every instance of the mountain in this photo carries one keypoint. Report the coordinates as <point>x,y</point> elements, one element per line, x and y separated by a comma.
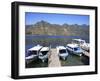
<point>46,28</point>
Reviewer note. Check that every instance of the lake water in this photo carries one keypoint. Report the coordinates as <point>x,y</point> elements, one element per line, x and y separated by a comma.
<point>53,41</point>
<point>48,36</point>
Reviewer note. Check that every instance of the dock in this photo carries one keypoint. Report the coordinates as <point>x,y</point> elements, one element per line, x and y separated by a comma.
<point>86,53</point>
<point>53,60</point>
<point>86,57</point>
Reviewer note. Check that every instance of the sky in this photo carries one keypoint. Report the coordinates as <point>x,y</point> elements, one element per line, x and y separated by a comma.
<point>31,18</point>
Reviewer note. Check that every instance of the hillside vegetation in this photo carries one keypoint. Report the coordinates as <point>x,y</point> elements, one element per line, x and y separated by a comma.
<point>45,28</point>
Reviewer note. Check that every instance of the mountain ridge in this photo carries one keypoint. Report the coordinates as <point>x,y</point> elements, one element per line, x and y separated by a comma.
<point>45,28</point>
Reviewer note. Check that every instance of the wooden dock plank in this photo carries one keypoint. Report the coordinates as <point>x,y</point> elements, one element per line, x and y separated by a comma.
<point>54,59</point>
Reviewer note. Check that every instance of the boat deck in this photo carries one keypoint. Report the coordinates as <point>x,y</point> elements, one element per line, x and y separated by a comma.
<point>53,60</point>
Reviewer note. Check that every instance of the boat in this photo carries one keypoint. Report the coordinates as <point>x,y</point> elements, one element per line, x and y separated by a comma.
<point>32,53</point>
<point>43,54</point>
<point>82,44</point>
<point>62,52</point>
<point>74,49</point>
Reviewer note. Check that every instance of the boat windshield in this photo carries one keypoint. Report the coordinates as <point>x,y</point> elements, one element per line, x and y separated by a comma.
<point>76,42</point>
<point>75,49</point>
<point>62,51</point>
<point>44,52</point>
<point>32,53</point>
<point>79,42</point>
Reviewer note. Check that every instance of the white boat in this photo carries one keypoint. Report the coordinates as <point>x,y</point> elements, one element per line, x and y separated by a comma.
<point>33,53</point>
<point>74,49</point>
<point>82,44</point>
<point>62,52</point>
<point>43,54</point>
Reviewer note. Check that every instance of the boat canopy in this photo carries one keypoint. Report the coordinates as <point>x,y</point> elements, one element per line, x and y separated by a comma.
<point>36,48</point>
<point>72,45</point>
<point>45,49</point>
<point>79,40</point>
<point>61,47</point>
